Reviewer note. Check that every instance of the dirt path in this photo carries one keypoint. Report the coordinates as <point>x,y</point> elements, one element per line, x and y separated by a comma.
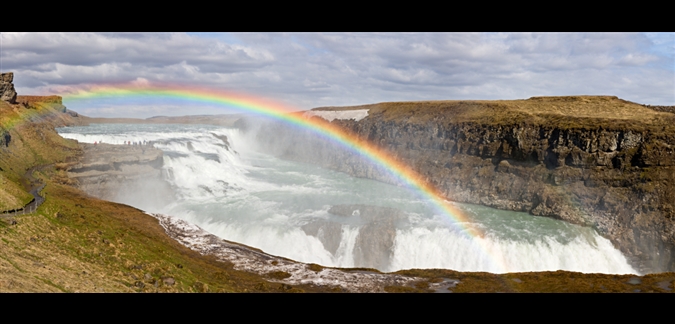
<point>35,187</point>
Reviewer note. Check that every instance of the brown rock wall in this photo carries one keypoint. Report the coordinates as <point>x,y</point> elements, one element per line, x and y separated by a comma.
<point>619,181</point>
<point>7,92</point>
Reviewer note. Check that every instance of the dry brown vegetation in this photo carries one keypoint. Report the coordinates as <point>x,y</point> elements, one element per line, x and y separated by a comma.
<point>564,112</point>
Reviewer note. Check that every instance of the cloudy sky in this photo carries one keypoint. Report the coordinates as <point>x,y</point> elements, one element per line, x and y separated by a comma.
<point>307,70</point>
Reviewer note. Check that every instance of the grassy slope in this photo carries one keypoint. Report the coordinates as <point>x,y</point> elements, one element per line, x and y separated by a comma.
<point>78,243</point>
<point>31,144</point>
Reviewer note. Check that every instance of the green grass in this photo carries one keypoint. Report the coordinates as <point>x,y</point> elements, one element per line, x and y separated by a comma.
<point>47,281</point>
<point>13,264</point>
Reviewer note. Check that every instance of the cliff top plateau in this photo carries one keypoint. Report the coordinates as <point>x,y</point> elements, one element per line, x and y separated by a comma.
<point>559,111</point>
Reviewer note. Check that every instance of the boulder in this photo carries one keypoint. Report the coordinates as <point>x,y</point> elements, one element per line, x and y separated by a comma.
<point>7,92</point>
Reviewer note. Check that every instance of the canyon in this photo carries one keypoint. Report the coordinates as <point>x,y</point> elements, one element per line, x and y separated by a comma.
<point>595,161</point>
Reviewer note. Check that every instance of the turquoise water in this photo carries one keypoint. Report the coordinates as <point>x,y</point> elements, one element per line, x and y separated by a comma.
<point>247,196</point>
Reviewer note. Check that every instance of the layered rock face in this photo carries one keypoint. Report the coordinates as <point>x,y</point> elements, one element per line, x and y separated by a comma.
<point>374,244</point>
<point>615,175</point>
<point>130,174</point>
<point>7,92</point>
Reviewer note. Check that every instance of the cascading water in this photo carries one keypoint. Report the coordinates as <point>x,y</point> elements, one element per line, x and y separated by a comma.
<point>315,215</point>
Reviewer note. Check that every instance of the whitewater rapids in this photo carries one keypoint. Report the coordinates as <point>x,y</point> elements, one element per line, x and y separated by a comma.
<point>227,187</point>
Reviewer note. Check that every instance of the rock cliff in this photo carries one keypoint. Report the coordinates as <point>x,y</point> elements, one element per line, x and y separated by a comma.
<point>594,161</point>
<point>26,140</point>
<point>130,174</point>
<point>7,92</point>
<point>374,244</point>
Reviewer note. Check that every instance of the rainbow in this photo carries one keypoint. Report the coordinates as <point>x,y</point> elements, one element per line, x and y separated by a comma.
<point>39,110</point>
<point>249,104</point>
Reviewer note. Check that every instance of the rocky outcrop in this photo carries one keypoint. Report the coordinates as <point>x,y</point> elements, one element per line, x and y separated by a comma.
<point>617,176</point>
<point>7,92</point>
<point>130,174</point>
<point>373,247</point>
<point>33,102</point>
<point>50,107</point>
<point>670,109</point>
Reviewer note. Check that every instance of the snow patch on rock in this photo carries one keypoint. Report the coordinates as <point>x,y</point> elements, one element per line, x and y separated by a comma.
<point>330,115</point>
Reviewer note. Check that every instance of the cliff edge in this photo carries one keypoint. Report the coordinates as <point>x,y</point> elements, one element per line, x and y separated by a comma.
<point>595,161</point>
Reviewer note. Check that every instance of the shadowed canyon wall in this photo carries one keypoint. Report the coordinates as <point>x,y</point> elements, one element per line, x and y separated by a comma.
<point>594,161</point>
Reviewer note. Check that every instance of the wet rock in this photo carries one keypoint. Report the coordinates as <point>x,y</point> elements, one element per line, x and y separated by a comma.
<point>444,286</point>
<point>634,281</point>
<point>374,243</point>
<point>237,256</point>
<point>665,285</point>
<point>223,138</point>
<point>329,233</point>
<point>373,247</point>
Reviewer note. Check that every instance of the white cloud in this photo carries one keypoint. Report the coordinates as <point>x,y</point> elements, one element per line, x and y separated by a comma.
<point>317,69</point>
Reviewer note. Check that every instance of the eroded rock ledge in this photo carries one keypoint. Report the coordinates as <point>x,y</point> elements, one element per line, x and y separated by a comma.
<point>374,245</point>
<point>122,172</point>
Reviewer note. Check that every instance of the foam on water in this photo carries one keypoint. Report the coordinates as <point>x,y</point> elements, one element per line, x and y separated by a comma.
<point>249,197</point>
<point>440,248</point>
<point>344,256</point>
